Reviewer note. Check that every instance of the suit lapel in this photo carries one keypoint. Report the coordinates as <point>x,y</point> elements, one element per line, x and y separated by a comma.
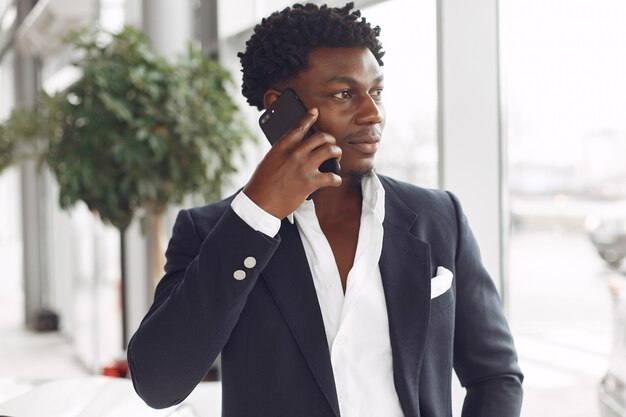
<point>289,279</point>
<point>405,270</point>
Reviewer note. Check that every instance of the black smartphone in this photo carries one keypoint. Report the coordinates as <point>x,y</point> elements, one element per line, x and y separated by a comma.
<point>282,116</point>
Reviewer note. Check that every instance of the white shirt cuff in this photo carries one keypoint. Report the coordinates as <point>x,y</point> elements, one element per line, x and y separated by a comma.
<point>255,216</point>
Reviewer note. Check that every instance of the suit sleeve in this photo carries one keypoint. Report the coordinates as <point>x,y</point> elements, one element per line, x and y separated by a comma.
<point>197,304</point>
<point>484,354</point>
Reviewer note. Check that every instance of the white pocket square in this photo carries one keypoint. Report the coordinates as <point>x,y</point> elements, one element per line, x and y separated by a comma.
<point>441,283</point>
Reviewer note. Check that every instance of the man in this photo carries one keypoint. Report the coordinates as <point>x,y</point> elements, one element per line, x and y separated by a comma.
<point>357,302</point>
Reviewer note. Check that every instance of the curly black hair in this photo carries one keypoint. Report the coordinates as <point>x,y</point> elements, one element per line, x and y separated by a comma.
<point>280,46</point>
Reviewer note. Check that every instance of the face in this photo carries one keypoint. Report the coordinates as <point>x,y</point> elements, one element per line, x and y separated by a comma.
<point>346,85</point>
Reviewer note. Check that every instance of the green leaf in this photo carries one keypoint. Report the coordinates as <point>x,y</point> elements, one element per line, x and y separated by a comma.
<point>134,131</point>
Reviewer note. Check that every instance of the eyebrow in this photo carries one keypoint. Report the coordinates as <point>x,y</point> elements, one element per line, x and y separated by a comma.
<point>350,80</point>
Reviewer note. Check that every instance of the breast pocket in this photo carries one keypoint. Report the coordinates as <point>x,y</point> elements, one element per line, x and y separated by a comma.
<point>442,291</point>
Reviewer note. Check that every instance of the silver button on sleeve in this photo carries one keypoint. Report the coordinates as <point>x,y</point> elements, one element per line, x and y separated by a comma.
<point>249,262</point>
<point>239,275</point>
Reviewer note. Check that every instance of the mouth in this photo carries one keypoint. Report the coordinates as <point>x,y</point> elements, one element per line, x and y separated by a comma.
<point>365,147</point>
<point>367,143</point>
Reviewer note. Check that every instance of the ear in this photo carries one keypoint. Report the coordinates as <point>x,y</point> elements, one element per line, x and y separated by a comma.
<point>270,97</point>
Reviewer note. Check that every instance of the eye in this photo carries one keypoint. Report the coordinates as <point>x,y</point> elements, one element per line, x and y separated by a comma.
<point>377,93</point>
<point>342,95</point>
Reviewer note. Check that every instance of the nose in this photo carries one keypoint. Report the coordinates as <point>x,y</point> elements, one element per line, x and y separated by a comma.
<point>370,112</point>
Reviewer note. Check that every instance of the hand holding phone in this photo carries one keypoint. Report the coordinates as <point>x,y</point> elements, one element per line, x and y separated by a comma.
<point>282,116</point>
<point>290,172</point>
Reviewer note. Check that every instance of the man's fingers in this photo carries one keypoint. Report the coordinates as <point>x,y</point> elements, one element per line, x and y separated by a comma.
<point>324,153</point>
<point>328,179</point>
<point>296,134</point>
<point>317,140</point>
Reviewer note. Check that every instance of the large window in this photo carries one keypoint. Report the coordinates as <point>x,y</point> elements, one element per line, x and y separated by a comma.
<point>409,36</point>
<point>564,97</point>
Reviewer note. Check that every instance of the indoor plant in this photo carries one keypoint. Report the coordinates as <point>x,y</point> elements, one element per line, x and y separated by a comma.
<point>134,131</point>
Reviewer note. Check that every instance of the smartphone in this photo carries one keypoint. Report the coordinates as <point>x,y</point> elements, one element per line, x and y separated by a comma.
<point>282,116</point>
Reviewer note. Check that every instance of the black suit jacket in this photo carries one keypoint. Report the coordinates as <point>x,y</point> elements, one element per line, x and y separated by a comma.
<point>269,329</point>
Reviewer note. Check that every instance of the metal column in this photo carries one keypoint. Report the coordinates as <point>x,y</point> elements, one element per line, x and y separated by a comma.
<point>34,224</point>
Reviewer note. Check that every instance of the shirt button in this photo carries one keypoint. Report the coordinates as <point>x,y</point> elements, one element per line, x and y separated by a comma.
<point>341,396</point>
<point>340,340</point>
<point>239,275</point>
<point>331,287</point>
<point>249,262</point>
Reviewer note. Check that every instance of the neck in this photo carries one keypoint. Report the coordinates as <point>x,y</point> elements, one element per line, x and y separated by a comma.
<point>334,204</point>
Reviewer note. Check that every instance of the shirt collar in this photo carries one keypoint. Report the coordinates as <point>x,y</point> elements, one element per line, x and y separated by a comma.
<point>373,197</point>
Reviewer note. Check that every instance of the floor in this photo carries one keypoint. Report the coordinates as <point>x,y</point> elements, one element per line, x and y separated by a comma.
<point>560,313</point>
<point>27,358</point>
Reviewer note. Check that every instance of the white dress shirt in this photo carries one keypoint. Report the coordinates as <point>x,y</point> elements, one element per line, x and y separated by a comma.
<point>356,324</point>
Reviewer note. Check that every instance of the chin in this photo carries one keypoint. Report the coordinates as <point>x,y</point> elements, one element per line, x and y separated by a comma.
<point>357,175</point>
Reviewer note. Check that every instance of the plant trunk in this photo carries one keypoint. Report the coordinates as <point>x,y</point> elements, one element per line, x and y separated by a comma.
<point>123,278</point>
<point>156,255</point>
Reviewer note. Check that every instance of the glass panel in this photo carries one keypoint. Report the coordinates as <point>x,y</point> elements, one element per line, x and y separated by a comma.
<point>4,4</point>
<point>8,14</point>
<point>111,16</point>
<point>7,84</point>
<point>11,296</point>
<point>564,95</point>
<point>409,36</point>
